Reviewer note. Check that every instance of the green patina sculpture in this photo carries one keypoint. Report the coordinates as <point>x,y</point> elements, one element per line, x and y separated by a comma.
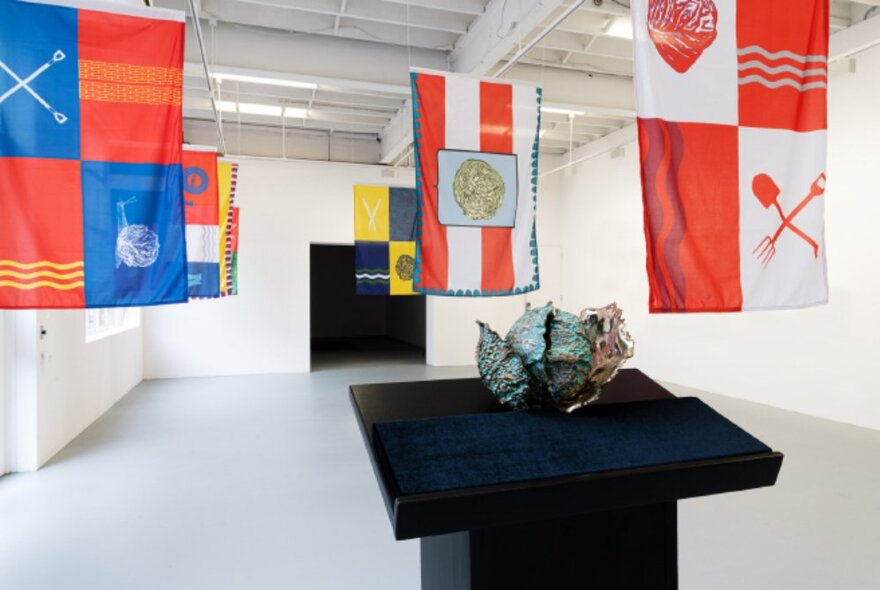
<point>553,358</point>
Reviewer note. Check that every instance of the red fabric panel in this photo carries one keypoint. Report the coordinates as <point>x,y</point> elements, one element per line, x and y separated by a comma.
<point>200,191</point>
<point>434,254</point>
<point>496,135</point>
<point>131,88</point>
<point>690,188</point>
<point>798,26</point>
<point>41,239</point>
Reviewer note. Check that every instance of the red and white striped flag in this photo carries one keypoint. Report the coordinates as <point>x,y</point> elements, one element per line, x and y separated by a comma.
<point>476,173</point>
<point>731,98</point>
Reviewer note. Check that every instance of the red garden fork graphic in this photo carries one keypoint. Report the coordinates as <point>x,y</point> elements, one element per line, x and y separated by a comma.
<point>768,194</point>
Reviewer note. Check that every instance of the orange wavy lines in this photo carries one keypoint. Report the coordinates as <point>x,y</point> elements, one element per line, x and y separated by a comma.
<point>41,263</point>
<point>48,284</point>
<point>40,273</point>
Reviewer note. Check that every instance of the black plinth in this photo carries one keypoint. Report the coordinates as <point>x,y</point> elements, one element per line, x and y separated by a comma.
<point>610,530</point>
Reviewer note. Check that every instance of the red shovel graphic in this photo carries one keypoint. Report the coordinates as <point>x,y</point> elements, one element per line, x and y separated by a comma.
<point>768,194</point>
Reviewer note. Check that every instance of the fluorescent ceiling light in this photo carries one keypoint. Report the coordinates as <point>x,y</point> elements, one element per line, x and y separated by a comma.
<point>263,80</point>
<point>249,108</point>
<point>558,111</point>
<point>620,27</point>
<point>295,113</point>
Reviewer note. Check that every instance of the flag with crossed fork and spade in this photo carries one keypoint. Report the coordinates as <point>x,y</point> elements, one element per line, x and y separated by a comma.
<point>731,102</point>
<point>91,202</point>
<point>384,233</point>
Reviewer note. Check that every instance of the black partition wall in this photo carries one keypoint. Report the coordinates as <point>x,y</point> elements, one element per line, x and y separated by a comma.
<point>343,322</point>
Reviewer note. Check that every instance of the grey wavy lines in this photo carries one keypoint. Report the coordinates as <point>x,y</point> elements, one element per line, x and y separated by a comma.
<point>799,72</point>
<point>782,54</point>
<point>210,242</point>
<point>755,79</point>
<point>367,275</point>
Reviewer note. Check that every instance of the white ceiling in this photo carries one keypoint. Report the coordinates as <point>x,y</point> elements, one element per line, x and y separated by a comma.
<point>357,53</point>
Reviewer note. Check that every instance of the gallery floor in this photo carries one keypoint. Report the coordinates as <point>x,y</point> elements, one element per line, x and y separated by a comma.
<point>262,483</point>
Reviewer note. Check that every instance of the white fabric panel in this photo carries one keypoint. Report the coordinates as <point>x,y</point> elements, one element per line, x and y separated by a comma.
<point>793,277</point>
<point>465,244</point>
<point>202,243</point>
<point>706,93</point>
<point>525,127</point>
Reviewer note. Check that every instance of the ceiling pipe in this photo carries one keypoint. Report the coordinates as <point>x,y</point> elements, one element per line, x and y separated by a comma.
<point>197,25</point>
<point>531,45</point>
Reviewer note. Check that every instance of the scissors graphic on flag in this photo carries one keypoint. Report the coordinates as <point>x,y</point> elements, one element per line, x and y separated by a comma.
<point>767,192</point>
<point>372,214</point>
<point>25,85</point>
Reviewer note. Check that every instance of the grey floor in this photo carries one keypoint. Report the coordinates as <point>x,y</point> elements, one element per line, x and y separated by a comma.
<point>262,483</point>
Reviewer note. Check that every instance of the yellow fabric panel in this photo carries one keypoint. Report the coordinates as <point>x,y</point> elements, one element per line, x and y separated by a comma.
<point>401,270</point>
<point>371,205</point>
<point>224,188</point>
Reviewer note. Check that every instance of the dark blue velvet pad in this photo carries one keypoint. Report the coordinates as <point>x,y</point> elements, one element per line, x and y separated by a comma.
<point>448,453</point>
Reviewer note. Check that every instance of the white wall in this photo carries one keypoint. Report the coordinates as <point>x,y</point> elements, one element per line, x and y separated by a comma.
<point>265,329</point>
<point>78,381</point>
<point>56,385</point>
<point>818,361</point>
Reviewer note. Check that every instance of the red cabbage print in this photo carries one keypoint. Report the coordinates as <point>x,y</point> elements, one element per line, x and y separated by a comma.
<point>682,30</point>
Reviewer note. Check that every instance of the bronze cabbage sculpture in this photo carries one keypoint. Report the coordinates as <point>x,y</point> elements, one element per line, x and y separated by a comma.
<point>553,358</point>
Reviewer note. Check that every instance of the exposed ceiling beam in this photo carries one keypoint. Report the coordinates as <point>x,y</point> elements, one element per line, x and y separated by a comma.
<point>499,30</point>
<point>476,52</point>
<point>370,14</point>
<point>859,37</point>
<point>471,7</point>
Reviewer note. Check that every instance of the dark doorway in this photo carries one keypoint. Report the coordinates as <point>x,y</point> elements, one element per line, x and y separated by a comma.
<point>346,327</point>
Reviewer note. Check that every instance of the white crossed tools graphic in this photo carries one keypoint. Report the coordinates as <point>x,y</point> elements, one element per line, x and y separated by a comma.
<point>372,214</point>
<point>25,85</point>
<point>768,194</point>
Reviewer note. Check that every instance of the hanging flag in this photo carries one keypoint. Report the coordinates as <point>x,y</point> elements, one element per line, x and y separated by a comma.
<point>202,200</point>
<point>227,181</point>
<point>91,208</point>
<point>731,100</point>
<point>476,146</point>
<point>232,280</point>
<point>384,233</point>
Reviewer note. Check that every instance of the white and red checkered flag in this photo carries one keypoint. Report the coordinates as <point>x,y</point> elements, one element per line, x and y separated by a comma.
<point>731,98</point>
<point>476,145</point>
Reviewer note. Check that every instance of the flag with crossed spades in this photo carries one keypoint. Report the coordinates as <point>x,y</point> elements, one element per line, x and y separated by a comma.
<point>91,200</point>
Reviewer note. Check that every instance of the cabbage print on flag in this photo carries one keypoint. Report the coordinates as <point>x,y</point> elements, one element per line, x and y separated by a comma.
<point>91,206</point>
<point>476,147</point>
<point>731,101</point>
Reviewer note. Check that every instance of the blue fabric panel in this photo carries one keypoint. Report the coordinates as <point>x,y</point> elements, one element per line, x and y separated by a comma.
<point>38,44</point>
<point>372,275</point>
<point>203,279</point>
<point>439,454</point>
<point>135,244</point>
<point>402,215</point>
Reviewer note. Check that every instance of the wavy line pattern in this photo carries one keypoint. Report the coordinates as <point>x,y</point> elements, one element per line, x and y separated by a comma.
<point>781,69</point>
<point>776,69</point>
<point>666,222</point>
<point>371,276</point>
<point>784,54</point>
<point>40,273</point>
<point>26,276</point>
<point>50,284</point>
<point>47,263</point>
<point>774,84</point>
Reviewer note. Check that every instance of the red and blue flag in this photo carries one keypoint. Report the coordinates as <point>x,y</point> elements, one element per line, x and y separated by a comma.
<point>91,187</point>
